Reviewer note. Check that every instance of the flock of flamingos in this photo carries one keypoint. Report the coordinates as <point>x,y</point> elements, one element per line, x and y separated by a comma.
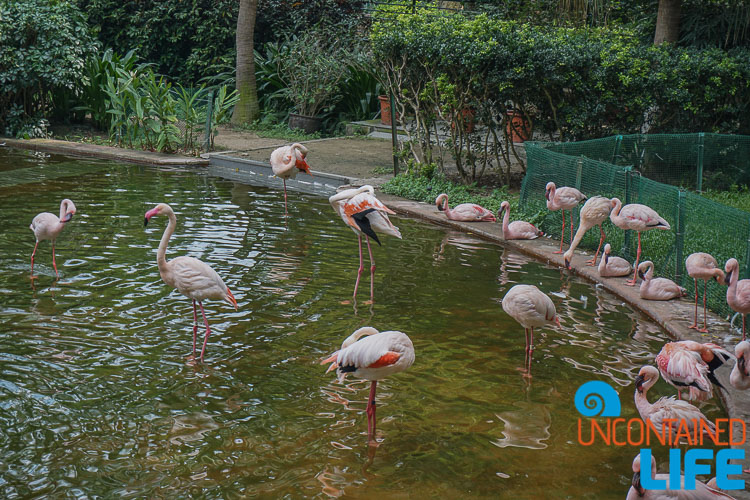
<point>371,355</point>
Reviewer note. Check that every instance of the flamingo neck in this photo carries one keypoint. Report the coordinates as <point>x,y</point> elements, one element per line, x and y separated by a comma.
<point>365,330</point>
<point>616,209</point>
<point>63,209</point>
<point>161,254</point>
<point>650,273</point>
<point>641,400</point>
<point>506,221</point>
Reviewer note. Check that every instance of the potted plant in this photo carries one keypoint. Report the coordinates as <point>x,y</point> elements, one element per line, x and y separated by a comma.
<point>313,73</point>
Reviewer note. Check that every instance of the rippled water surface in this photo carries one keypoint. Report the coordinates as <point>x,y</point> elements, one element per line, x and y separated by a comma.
<point>98,396</point>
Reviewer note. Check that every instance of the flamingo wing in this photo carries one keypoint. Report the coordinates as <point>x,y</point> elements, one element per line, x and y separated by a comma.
<point>684,368</point>
<point>196,279</point>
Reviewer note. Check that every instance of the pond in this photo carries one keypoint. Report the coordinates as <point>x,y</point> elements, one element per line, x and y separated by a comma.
<point>98,396</point>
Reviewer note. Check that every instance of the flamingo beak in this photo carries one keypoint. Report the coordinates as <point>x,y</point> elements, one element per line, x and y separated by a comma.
<point>148,216</point>
<point>567,264</point>
<point>546,194</point>
<point>302,165</point>
<point>68,216</point>
<point>230,298</point>
<point>741,364</point>
<point>637,484</point>
<point>557,322</point>
<point>640,275</point>
<point>728,277</point>
<point>639,383</point>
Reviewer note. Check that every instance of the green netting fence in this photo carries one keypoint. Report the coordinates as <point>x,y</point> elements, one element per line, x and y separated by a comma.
<point>661,171</point>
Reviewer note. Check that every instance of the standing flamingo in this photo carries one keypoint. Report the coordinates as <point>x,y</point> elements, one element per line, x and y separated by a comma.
<point>373,358</point>
<point>564,198</point>
<point>287,161</point>
<point>466,212</point>
<point>190,276</point>
<point>518,229</point>
<point>738,293</point>
<point>657,288</point>
<point>531,308</point>
<point>47,226</point>
<point>638,218</point>
<point>594,212</point>
<point>691,365</point>
<point>740,376</point>
<point>702,266</point>
<point>613,266</point>
<point>701,491</point>
<point>364,213</point>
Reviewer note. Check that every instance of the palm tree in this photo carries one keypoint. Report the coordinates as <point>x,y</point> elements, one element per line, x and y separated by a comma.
<point>246,110</point>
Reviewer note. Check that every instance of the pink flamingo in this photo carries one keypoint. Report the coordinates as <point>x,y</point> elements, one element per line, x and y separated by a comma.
<point>638,218</point>
<point>702,491</point>
<point>190,276</point>
<point>740,376</point>
<point>531,308</point>
<point>465,212</point>
<point>518,229</point>
<point>594,212</point>
<point>691,365</point>
<point>47,226</point>
<point>364,213</point>
<point>738,293</point>
<point>375,357</point>
<point>657,288</point>
<point>564,198</point>
<point>702,266</point>
<point>287,161</point>
<point>613,266</point>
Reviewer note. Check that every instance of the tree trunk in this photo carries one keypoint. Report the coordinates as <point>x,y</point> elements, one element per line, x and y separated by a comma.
<point>668,22</point>
<point>246,110</point>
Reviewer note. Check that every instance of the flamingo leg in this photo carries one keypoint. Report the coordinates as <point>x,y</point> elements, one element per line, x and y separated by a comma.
<point>372,270</point>
<point>526,356</point>
<point>371,412</point>
<point>695,320</point>
<point>195,325</point>
<point>705,313</point>
<point>531,351</point>
<point>54,264</point>
<point>361,267</point>
<point>743,327</point>
<point>32,258</point>
<point>208,330</point>
<point>592,262</point>
<point>286,212</point>
<point>570,212</point>
<point>637,258</point>
<point>562,234</point>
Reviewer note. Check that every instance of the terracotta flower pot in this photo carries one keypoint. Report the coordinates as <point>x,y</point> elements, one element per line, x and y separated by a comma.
<point>467,114</point>
<point>385,109</point>
<point>518,128</point>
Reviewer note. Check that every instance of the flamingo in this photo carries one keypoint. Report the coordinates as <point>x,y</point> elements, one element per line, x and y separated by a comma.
<point>531,308</point>
<point>374,357</point>
<point>638,218</point>
<point>47,226</point>
<point>564,198</point>
<point>286,161</point>
<point>701,492</point>
<point>594,212</point>
<point>738,293</point>
<point>740,376</point>
<point>364,213</point>
<point>191,277</point>
<point>465,212</point>
<point>518,229</point>
<point>657,288</point>
<point>702,266</point>
<point>691,365</point>
<point>613,266</point>
<point>668,408</point>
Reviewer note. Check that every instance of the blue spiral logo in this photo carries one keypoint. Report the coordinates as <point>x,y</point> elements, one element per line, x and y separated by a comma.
<point>597,399</point>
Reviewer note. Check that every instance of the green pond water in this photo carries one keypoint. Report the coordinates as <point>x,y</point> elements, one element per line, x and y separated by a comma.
<point>99,398</point>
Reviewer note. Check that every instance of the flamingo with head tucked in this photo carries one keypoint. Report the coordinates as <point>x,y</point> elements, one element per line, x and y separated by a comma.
<point>639,218</point>
<point>465,212</point>
<point>738,293</point>
<point>374,357</point>
<point>673,492</point>
<point>657,288</point>
<point>191,277</point>
<point>287,161</point>
<point>518,229</point>
<point>702,266</point>
<point>364,213</point>
<point>611,266</point>
<point>691,365</point>
<point>47,226</point>
<point>594,212</point>
<point>564,198</point>
<point>740,376</point>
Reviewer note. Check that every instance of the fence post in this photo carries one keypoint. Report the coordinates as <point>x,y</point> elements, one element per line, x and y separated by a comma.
<point>746,274</point>
<point>209,115</point>
<point>394,136</point>
<point>618,143</point>
<point>579,175</point>
<point>626,242</point>
<point>699,180</point>
<point>679,236</point>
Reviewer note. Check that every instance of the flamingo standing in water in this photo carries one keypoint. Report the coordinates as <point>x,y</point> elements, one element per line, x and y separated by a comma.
<point>638,218</point>
<point>287,161</point>
<point>374,357</point>
<point>518,229</point>
<point>47,226</point>
<point>613,266</point>
<point>594,212</point>
<point>691,365</point>
<point>657,288</point>
<point>702,266</point>
<point>531,308</point>
<point>740,376</point>
<point>738,293</point>
<point>364,213</point>
<point>190,276</point>
<point>465,212</point>
<point>674,492</point>
<point>564,198</point>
